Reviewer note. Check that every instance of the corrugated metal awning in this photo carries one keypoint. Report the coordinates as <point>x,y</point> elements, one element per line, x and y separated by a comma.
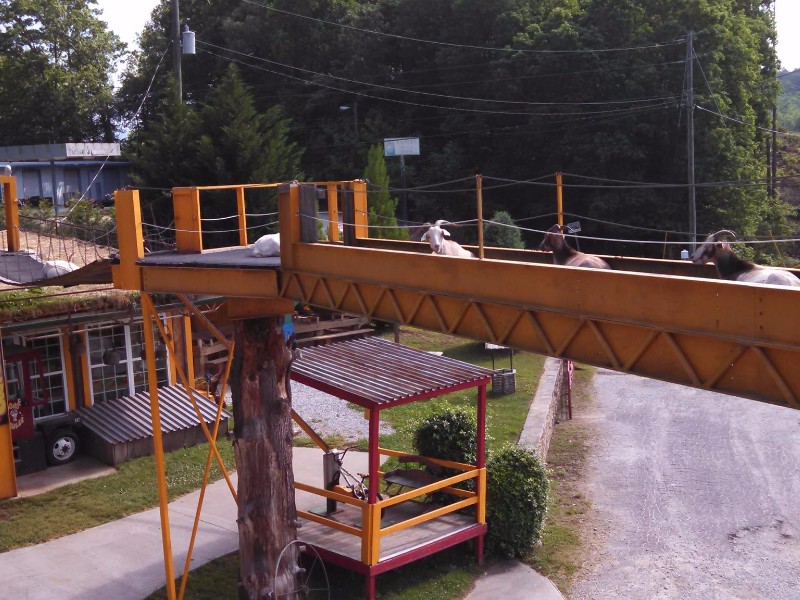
<point>127,419</point>
<point>376,373</point>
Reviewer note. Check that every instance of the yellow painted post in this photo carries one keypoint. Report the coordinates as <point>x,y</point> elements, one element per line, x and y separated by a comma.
<point>479,186</point>
<point>87,375</point>
<point>12,212</point>
<point>188,229</point>
<point>172,359</point>
<point>480,517</point>
<point>242,212</point>
<point>559,198</point>
<point>288,221</point>
<point>8,475</point>
<point>131,242</point>
<point>69,365</point>
<point>148,314</point>
<point>367,533</point>
<point>189,347</point>
<point>333,212</point>
<point>360,208</point>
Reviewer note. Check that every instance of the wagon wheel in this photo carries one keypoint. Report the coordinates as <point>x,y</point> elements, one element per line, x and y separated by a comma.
<point>313,581</point>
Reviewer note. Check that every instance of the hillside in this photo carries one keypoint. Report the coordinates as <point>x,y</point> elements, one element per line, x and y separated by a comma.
<point>789,101</point>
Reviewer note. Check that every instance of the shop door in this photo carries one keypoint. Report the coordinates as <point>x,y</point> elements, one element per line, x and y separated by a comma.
<point>26,390</point>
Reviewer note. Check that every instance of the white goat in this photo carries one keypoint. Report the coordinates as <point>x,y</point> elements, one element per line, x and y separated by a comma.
<point>436,238</point>
<point>54,268</point>
<point>268,245</point>
<point>564,254</point>
<point>731,267</point>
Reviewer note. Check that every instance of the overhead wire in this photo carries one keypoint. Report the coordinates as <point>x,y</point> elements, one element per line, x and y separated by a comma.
<point>767,129</point>
<point>651,100</point>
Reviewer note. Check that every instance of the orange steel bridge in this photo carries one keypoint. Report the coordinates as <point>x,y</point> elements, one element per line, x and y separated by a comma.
<point>667,320</point>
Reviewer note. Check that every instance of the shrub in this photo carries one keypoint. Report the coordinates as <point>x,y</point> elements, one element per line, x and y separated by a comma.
<point>450,434</point>
<point>502,233</point>
<point>516,501</point>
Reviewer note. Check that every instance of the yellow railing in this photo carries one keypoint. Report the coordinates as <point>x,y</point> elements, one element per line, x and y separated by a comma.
<point>188,219</point>
<point>371,531</point>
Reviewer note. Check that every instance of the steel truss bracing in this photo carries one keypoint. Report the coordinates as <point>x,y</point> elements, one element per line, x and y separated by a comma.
<point>707,334</point>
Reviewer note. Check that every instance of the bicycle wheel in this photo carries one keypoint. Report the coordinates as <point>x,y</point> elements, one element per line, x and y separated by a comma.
<point>312,582</point>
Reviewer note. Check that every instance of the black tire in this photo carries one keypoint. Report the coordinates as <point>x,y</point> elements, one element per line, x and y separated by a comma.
<point>62,447</point>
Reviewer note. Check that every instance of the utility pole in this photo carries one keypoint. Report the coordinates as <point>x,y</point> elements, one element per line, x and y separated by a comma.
<point>176,48</point>
<point>690,136</point>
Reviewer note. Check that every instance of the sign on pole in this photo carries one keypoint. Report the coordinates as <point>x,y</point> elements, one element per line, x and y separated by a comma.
<point>401,147</point>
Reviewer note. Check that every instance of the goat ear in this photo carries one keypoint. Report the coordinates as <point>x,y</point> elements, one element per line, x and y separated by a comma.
<point>424,236</point>
<point>446,233</point>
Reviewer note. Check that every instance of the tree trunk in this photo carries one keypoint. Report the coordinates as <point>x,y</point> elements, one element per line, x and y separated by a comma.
<point>262,405</point>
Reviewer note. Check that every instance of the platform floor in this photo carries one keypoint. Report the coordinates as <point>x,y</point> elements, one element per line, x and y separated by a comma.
<point>349,546</point>
<point>219,257</point>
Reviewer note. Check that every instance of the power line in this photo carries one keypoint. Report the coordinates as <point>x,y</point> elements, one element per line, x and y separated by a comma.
<point>786,133</point>
<point>432,94</point>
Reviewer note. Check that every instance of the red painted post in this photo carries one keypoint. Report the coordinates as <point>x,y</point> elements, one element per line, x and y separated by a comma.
<point>374,458</point>
<point>481,450</point>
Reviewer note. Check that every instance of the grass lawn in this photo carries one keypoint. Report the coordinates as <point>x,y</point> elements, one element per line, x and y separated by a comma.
<point>562,551</point>
<point>78,506</point>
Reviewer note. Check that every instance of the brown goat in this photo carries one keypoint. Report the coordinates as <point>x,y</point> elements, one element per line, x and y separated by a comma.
<point>564,254</point>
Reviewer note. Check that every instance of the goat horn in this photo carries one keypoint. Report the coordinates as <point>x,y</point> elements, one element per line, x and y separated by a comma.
<point>724,232</point>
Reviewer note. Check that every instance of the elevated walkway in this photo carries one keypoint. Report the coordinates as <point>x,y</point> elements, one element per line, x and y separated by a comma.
<point>25,268</point>
<point>735,338</point>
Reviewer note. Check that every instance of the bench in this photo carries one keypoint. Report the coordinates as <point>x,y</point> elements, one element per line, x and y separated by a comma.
<point>413,478</point>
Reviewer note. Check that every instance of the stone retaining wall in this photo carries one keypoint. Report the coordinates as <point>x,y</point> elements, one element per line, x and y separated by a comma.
<point>538,429</point>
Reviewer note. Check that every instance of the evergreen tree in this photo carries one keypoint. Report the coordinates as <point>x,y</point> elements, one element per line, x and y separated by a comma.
<point>240,145</point>
<point>502,233</point>
<point>382,207</point>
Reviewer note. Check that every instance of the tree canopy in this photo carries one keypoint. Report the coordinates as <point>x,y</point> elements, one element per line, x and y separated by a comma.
<point>516,90</point>
<point>56,62</point>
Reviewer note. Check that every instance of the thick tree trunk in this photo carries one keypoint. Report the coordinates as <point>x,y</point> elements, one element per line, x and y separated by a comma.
<point>263,444</point>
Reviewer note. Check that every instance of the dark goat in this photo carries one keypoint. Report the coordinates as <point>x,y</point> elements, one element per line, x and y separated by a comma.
<point>564,254</point>
<point>731,267</point>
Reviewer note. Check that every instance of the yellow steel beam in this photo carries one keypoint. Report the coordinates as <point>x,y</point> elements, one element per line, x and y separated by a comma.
<point>333,212</point>
<point>150,315</point>
<point>9,184</point>
<point>188,227</point>
<point>252,308</point>
<point>728,337</point>
<point>241,211</point>
<point>232,282</point>
<point>8,475</point>
<point>127,275</point>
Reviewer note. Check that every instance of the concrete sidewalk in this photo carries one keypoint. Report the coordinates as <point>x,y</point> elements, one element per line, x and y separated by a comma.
<point>123,559</point>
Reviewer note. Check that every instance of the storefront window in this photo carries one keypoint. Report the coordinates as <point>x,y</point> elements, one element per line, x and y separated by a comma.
<point>115,361</point>
<point>50,357</point>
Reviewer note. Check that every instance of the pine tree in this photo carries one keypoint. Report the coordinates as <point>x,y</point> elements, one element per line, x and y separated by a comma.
<point>503,234</point>
<point>382,207</point>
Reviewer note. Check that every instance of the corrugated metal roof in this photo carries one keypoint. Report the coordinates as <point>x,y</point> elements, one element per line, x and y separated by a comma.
<point>376,372</point>
<point>128,418</point>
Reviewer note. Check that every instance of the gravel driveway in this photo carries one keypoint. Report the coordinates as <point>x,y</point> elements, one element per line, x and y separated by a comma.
<point>696,495</point>
<point>328,415</point>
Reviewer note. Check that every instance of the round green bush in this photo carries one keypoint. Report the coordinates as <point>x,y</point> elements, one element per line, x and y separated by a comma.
<point>450,434</point>
<point>516,501</point>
